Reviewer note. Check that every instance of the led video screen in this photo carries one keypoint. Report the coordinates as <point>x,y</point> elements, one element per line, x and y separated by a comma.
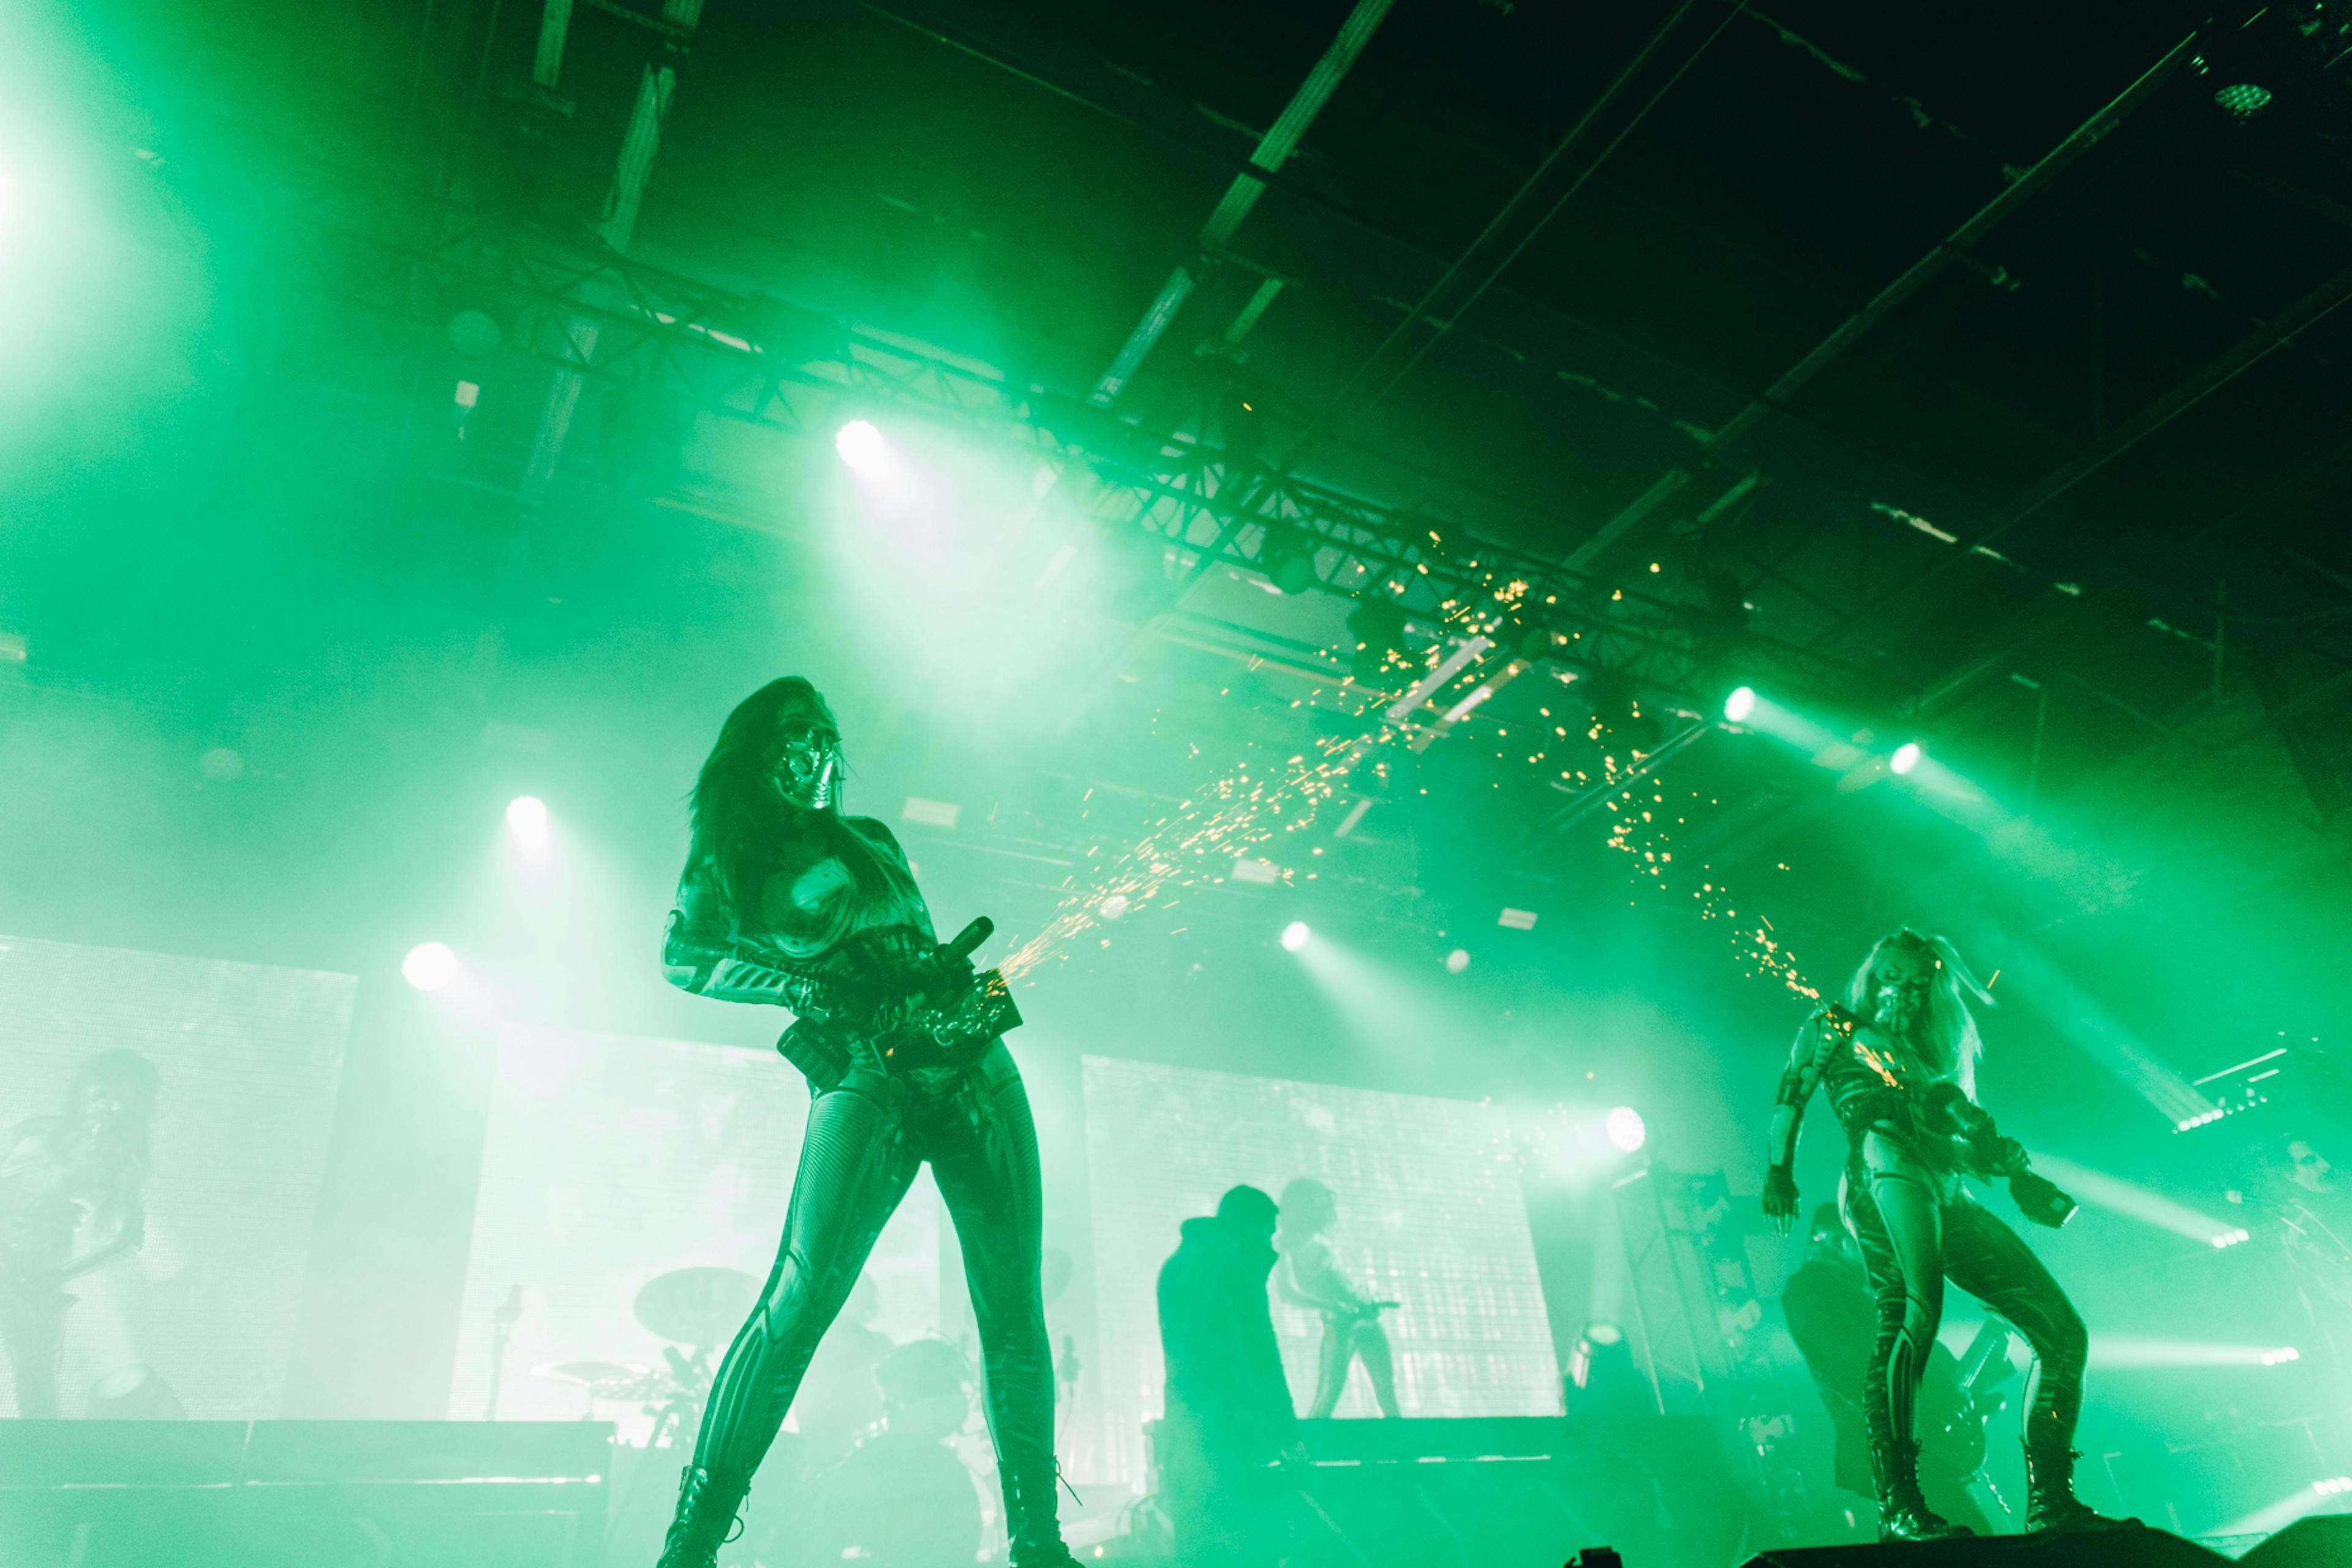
<point>610,1162</point>
<point>163,1128</point>
<point>1429,1216</point>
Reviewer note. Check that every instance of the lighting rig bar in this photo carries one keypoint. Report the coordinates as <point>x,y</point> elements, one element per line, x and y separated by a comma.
<point>751,357</point>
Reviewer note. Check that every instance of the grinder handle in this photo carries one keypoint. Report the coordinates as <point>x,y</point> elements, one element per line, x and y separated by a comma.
<point>967,940</point>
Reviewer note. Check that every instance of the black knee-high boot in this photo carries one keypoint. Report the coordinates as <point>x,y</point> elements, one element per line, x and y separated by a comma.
<point>2049,1500</point>
<point>1031,1513</point>
<point>707,1502</point>
<point>1903,1511</point>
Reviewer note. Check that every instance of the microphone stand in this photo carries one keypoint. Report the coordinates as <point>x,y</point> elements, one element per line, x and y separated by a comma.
<point>502,1322</point>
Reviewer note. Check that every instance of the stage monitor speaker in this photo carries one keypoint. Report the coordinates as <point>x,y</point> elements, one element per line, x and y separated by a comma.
<point>2101,1549</point>
<point>2321,1542</point>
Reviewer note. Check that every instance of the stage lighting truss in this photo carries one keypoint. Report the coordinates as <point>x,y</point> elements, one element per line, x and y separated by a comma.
<point>767,362</point>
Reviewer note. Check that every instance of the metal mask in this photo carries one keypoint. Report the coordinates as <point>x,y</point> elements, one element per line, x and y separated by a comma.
<point>1902,1000</point>
<point>808,764</point>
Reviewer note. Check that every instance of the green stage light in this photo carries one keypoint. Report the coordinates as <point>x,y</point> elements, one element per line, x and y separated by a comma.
<point>1740,704</point>
<point>1905,757</point>
<point>1625,1129</point>
<point>429,966</point>
<point>2241,99</point>
<point>527,825</point>
<point>861,446</point>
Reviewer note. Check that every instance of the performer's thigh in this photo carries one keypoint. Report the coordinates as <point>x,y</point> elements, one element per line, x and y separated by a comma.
<point>856,1164</point>
<point>1897,1222</point>
<point>1992,1263</point>
<point>983,1144</point>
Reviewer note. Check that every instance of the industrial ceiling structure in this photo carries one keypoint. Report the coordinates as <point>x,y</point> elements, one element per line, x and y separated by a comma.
<point>1972,377</point>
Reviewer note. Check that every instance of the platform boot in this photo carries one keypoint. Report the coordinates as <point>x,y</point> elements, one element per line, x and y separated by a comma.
<point>2050,1500</point>
<point>707,1502</point>
<point>1903,1511</point>
<point>1032,1518</point>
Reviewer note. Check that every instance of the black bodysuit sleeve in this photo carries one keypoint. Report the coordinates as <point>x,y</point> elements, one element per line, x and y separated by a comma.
<point>700,954</point>
<point>1808,1056</point>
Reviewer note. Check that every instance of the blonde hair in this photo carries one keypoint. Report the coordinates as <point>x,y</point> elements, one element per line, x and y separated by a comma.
<point>1949,1032</point>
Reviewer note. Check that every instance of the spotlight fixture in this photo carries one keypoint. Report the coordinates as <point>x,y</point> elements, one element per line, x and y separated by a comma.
<point>861,446</point>
<point>2242,99</point>
<point>1294,935</point>
<point>527,816</point>
<point>476,334</point>
<point>1740,704</point>
<point>1626,1129</point>
<point>1457,961</point>
<point>1287,556</point>
<point>1616,706</point>
<point>1241,424</point>
<point>1905,757</point>
<point>429,966</point>
<point>1527,641</point>
<point>2231,1239</point>
<point>1378,627</point>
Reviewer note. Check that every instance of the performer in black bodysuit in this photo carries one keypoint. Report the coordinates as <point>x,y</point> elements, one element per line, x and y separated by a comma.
<point>786,900</point>
<point>1907,1028</point>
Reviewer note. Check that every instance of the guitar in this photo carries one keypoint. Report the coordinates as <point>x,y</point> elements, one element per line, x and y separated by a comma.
<point>1983,1369</point>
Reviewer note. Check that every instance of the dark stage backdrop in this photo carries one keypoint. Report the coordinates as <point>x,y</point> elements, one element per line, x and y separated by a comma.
<point>1431,1215</point>
<point>247,1059</point>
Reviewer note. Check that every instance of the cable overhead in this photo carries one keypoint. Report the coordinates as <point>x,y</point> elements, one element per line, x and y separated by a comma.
<point>1495,273</point>
<point>1609,96</point>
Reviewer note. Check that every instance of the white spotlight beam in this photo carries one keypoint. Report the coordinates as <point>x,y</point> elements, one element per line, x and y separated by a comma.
<point>2134,1353</point>
<point>2112,1192</point>
<point>2105,1038</point>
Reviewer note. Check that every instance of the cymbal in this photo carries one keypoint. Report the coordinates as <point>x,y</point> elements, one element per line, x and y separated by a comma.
<point>589,1373</point>
<point>696,1306</point>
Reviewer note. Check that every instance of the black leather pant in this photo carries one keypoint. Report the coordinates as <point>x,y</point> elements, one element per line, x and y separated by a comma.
<point>1917,1230</point>
<point>865,1140</point>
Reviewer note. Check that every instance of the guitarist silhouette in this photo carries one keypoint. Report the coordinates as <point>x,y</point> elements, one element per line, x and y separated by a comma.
<point>70,1202</point>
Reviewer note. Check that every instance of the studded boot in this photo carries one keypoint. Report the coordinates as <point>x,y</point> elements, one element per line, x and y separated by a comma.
<point>707,1502</point>
<point>2050,1500</point>
<point>1903,1511</point>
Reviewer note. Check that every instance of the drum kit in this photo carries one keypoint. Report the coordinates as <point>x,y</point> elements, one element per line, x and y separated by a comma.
<point>697,1310</point>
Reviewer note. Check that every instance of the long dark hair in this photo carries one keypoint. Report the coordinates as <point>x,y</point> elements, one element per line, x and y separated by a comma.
<point>130,1138</point>
<point>740,821</point>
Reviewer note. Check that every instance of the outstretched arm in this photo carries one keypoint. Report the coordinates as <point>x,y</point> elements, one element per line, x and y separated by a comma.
<point>1798,1081</point>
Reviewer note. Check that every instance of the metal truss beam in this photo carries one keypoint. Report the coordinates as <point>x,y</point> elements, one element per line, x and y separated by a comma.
<point>767,362</point>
